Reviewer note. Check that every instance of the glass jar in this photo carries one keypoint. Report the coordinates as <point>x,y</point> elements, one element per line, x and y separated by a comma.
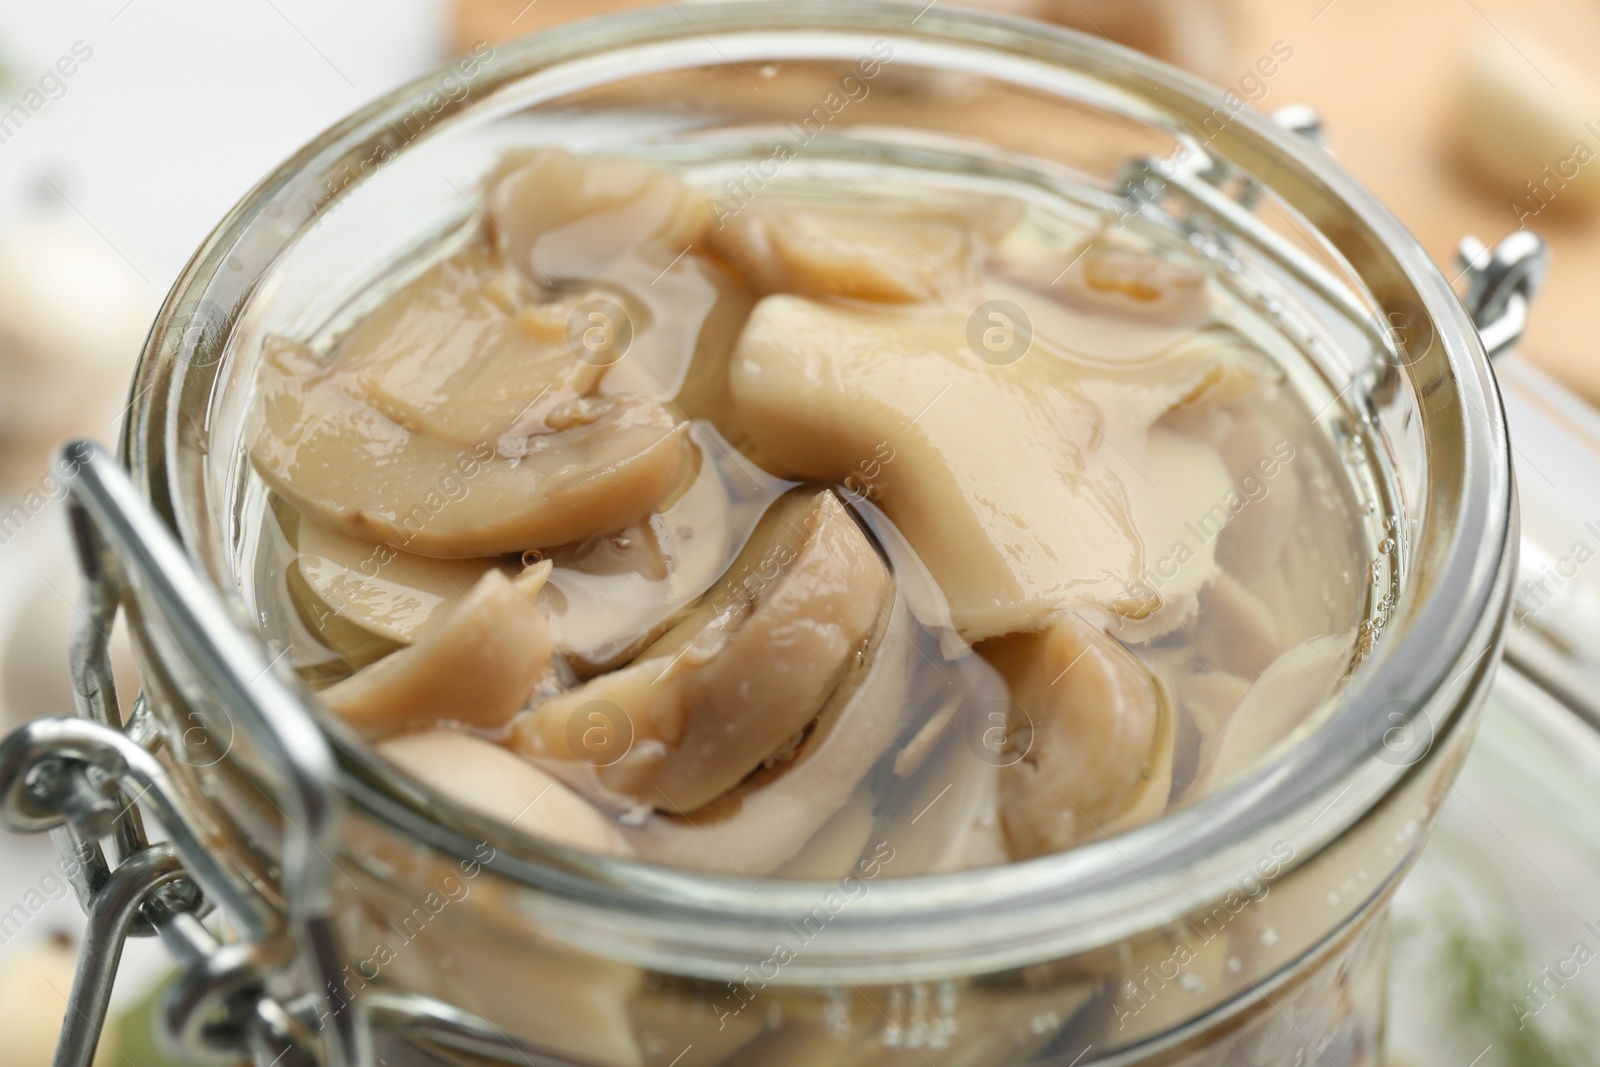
<point>1246,927</point>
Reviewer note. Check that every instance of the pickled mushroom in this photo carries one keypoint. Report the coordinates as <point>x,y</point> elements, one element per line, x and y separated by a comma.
<point>606,598</point>
<point>612,596</point>
<point>976,1024</point>
<point>838,843</point>
<point>1280,702</point>
<point>604,463</point>
<point>388,593</point>
<point>1015,488</point>
<point>1209,699</point>
<point>621,234</point>
<point>855,252</point>
<point>677,1023</point>
<point>727,689</point>
<point>1091,742</point>
<point>469,352</point>
<point>770,816</point>
<point>570,216</point>
<point>478,663</point>
<point>946,815</point>
<point>1137,284</point>
<point>840,486</point>
<point>481,775</point>
<point>1242,631</point>
<point>964,793</point>
<point>1100,277</point>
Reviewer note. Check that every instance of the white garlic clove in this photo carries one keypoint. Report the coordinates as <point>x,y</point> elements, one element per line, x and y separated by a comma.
<point>63,372</point>
<point>1524,122</point>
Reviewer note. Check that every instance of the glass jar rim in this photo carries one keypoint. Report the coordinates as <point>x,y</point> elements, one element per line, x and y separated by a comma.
<point>1090,893</point>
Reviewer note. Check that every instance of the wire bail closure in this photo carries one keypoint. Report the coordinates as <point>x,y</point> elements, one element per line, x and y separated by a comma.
<point>1501,285</point>
<point>84,781</point>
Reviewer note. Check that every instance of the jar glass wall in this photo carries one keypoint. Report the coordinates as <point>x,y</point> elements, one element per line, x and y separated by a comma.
<point>1243,927</point>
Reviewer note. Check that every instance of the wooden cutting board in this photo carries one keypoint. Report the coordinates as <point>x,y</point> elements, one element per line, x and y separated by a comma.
<point>1384,75</point>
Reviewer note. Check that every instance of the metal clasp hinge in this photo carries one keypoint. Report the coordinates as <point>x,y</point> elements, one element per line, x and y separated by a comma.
<point>84,780</point>
<point>1501,285</point>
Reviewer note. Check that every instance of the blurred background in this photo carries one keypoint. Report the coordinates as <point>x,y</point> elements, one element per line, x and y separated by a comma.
<point>128,128</point>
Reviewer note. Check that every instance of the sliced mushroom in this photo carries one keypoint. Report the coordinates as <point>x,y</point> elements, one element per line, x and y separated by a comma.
<point>1263,469</point>
<point>852,252</point>
<point>734,684</point>
<point>1179,528</point>
<point>695,378</point>
<point>390,594</point>
<point>612,596</point>
<point>1199,958</point>
<point>1090,738</point>
<point>915,752</point>
<point>1104,277</point>
<point>682,321</point>
<point>1024,487</point>
<point>479,663</point>
<point>569,216</point>
<point>1209,699</point>
<point>949,819</point>
<point>1279,703</point>
<point>1100,340</point>
<point>767,820</point>
<point>525,976</point>
<point>1240,631</point>
<point>606,598</point>
<point>941,811</point>
<point>469,351</point>
<point>629,230</point>
<point>834,849</point>
<point>605,463</point>
<point>481,775</point>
